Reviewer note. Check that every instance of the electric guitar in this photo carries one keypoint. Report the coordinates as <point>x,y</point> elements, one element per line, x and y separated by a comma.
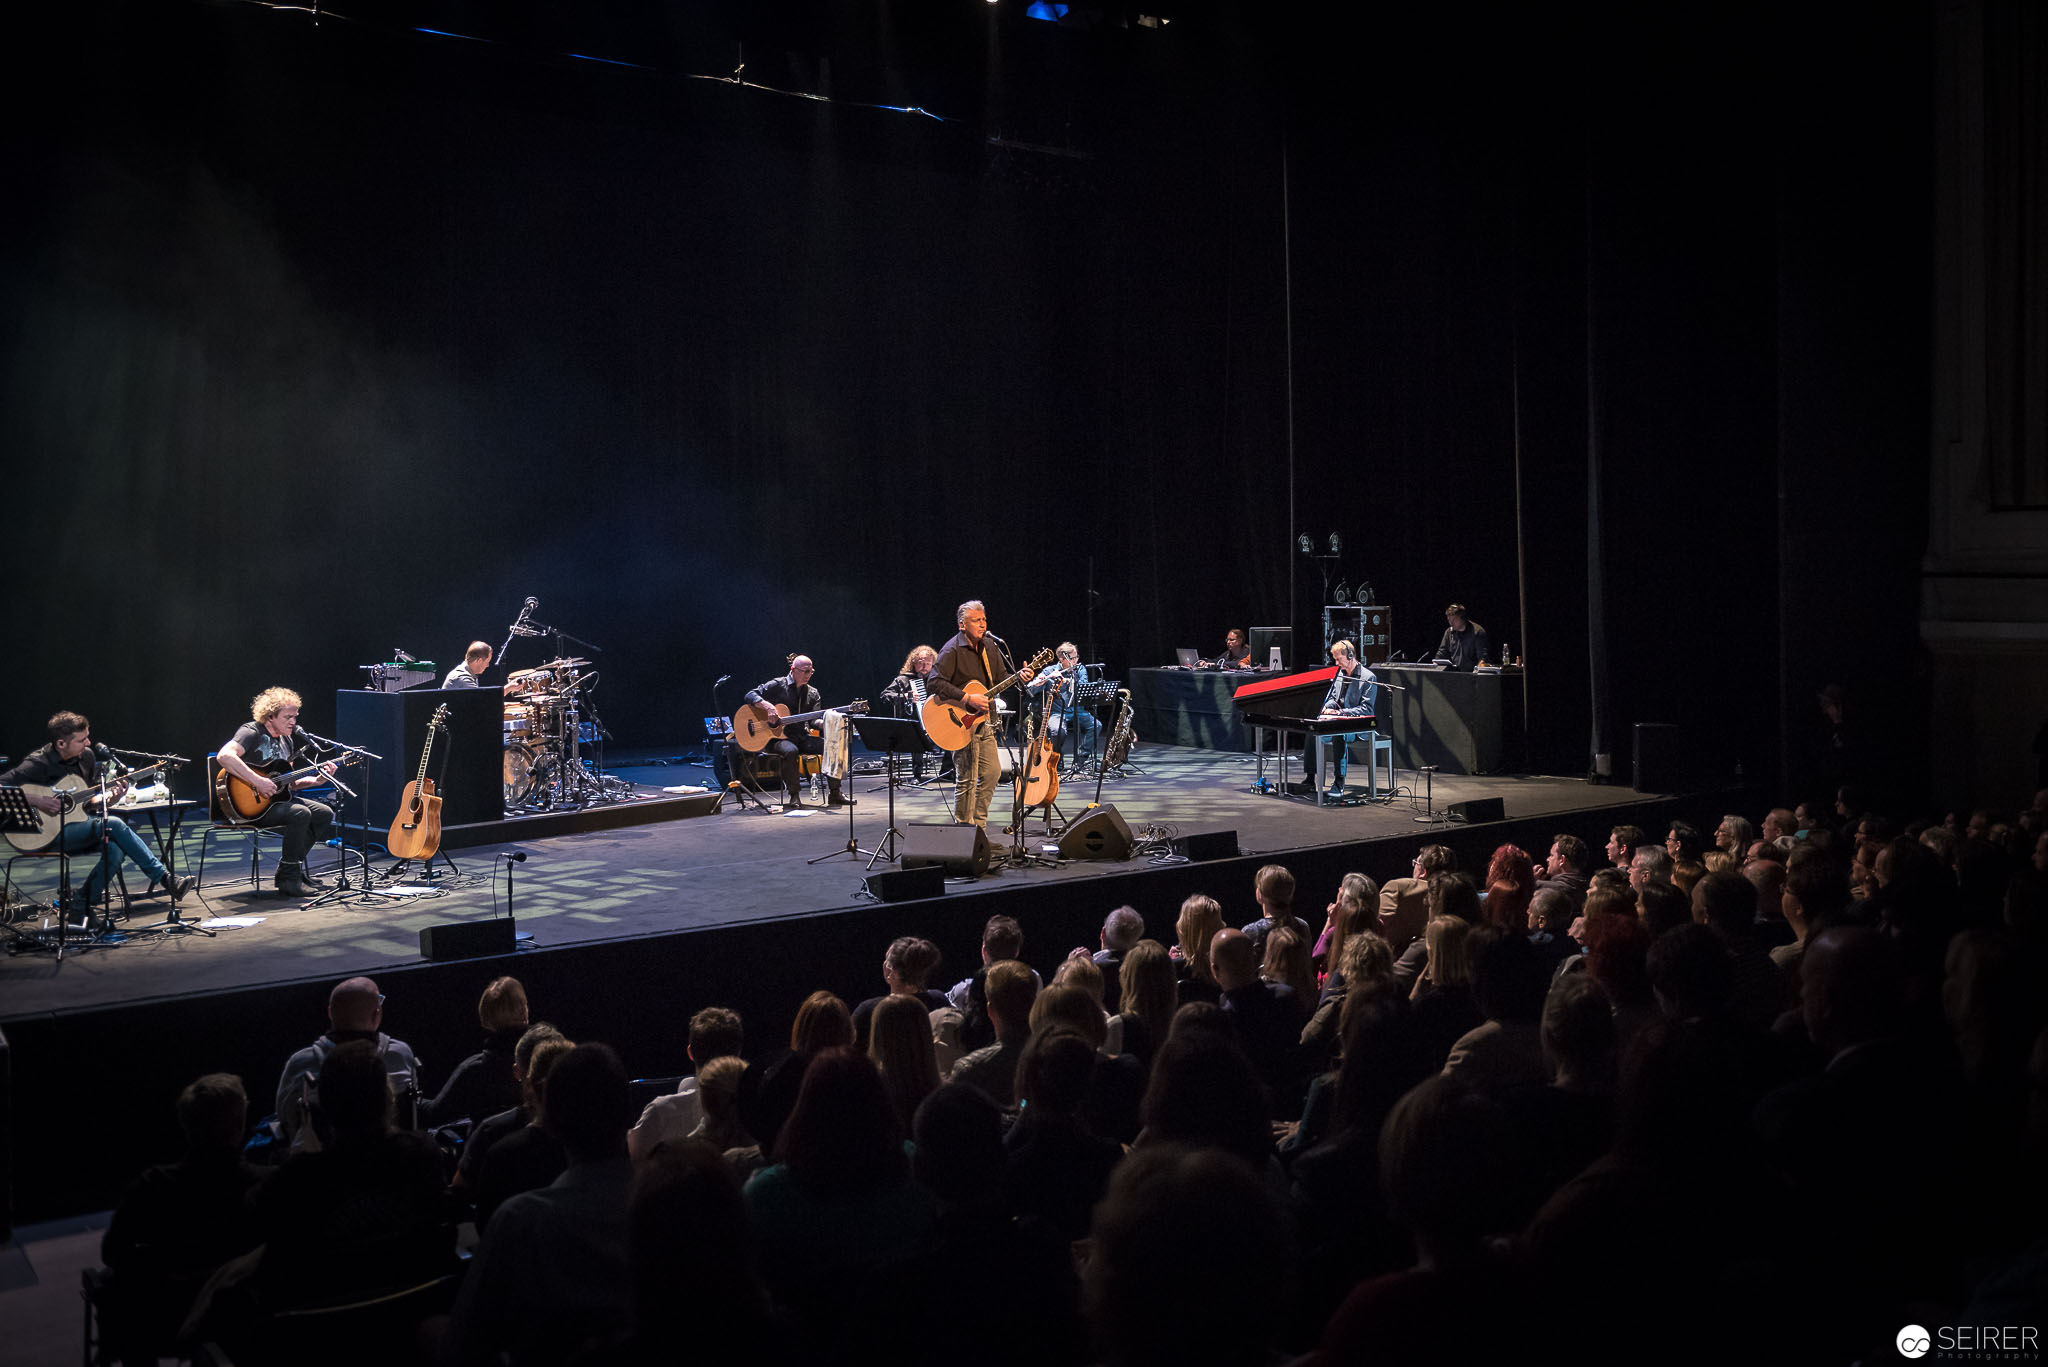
<point>241,805</point>
<point>74,793</point>
<point>752,732</point>
<point>416,830</point>
<point>951,725</point>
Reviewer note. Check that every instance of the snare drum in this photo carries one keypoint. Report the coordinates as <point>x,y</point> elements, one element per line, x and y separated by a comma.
<point>519,726</point>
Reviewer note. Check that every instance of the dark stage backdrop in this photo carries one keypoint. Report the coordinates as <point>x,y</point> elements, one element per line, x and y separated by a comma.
<point>325,340</point>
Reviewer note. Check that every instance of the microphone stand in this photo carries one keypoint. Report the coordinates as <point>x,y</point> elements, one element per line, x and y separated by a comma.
<point>173,923</point>
<point>343,889</point>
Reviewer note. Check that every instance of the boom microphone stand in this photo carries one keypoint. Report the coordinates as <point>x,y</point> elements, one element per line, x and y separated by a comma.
<point>343,890</point>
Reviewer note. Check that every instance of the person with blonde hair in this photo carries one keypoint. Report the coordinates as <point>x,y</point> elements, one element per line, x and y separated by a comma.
<point>1286,960</point>
<point>272,742</point>
<point>1201,916</point>
<point>904,696</point>
<point>1145,1012</point>
<point>1355,910</point>
<point>482,1084</point>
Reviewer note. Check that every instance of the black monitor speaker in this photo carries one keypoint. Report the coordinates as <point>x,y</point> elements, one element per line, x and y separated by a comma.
<point>468,939</point>
<point>961,851</point>
<point>1478,809</point>
<point>1100,834</point>
<point>904,885</point>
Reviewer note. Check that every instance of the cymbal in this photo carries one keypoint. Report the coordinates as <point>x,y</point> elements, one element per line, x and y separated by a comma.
<point>566,663</point>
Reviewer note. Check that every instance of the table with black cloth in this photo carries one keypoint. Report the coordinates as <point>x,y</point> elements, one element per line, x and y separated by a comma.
<point>1190,707</point>
<point>1462,722</point>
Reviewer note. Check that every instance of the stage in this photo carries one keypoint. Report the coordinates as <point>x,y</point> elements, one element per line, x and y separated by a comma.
<point>634,927</point>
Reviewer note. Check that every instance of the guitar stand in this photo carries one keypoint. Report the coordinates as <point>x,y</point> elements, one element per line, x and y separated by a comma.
<point>426,866</point>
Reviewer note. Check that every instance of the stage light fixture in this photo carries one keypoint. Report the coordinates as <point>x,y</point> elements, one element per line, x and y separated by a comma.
<point>1336,544</point>
<point>1308,547</point>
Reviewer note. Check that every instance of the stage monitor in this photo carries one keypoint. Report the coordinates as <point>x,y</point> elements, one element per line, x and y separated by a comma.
<point>1265,640</point>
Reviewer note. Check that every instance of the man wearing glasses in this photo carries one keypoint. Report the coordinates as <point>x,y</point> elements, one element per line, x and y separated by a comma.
<point>355,1011</point>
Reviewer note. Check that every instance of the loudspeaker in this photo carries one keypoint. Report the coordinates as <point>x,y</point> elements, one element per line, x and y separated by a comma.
<point>902,885</point>
<point>1477,810</point>
<point>1101,834</point>
<point>468,939</point>
<point>1207,845</point>
<point>1663,762</point>
<point>958,850</point>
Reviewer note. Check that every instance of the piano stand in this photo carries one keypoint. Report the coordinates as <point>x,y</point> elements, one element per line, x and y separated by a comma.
<point>1283,727</point>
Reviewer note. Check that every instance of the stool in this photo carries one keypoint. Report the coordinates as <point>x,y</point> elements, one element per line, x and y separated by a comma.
<point>63,874</point>
<point>1378,743</point>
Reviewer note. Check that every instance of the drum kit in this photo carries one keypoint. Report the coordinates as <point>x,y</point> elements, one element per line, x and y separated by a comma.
<point>549,718</point>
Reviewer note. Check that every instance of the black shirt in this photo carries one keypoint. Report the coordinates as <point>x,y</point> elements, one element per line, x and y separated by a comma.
<point>1464,649</point>
<point>263,751</point>
<point>42,766</point>
<point>960,661</point>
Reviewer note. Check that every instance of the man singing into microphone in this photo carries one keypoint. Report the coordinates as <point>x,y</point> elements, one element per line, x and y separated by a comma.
<point>973,654</point>
<point>272,739</point>
<point>71,754</point>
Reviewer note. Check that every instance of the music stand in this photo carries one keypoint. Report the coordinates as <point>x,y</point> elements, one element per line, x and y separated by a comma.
<point>18,816</point>
<point>892,736</point>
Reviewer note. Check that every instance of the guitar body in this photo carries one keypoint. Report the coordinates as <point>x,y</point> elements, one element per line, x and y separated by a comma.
<point>1042,774</point>
<point>416,830</point>
<point>753,732</point>
<point>72,791</point>
<point>240,805</point>
<point>949,724</point>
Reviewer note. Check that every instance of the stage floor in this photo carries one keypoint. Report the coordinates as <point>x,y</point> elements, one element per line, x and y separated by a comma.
<point>734,867</point>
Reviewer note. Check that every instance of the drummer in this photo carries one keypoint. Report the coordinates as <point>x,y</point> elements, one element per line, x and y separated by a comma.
<point>475,661</point>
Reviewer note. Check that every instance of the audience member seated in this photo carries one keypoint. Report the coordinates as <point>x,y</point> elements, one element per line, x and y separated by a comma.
<point>1345,1232</point>
<point>1649,865</point>
<point>1551,913</point>
<point>1767,876</point>
<point>1509,983</point>
<point>1012,988</point>
<point>1174,1220</point>
<point>718,1089</point>
<point>1569,1122</point>
<point>1618,958</point>
<point>1001,938</point>
<point>1816,894</point>
<point>1734,835</point>
<point>1200,918</point>
<point>482,1084</point>
<point>178,1222</point>
<point>689,1243</point>
<point>530,1156</point>
<point>1448,1171</point>
<point>960,1159</point>
<point>1404,902</point>
<point>1287,960</point>
<point>1445,1005</point>
<point>1121,929</point>
<point>1367,959</point>
<point>1058,1164</point>
<point>715,1032</point>
<point>1446,894</point>
<point>552,1274</point>
<point>1266,1018</point>
<point>900,1043</point>
<point>1510,884</point>
<point>1205,1092</point>
<point>1565,867</point>
<point>485,1134</point>
<point>1622,843</point>
<point>1273,889</point>
<point>838,1200</point>
<point>1148,998</point>
<point>769,1092</point>
<point>355,1011</point>
<point>906,969</point>
<point>1356,908</point>
<point>1662,907</point>
<point>1726,904</point>
<point>365,1213</point>
<point>1117,1083</point>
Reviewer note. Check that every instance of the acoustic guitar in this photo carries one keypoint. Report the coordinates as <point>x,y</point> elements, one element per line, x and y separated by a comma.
<point>416,830</point>
<point>753,732</point>
<point>74,793</point>
<point>951,725</point>
<point>1042,758</point>
<point>241,805</point>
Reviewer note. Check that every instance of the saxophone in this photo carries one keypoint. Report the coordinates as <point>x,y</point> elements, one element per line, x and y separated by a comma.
<point>1122,739</point>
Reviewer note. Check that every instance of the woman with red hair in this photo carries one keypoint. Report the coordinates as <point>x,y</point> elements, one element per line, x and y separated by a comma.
<point>1510,884</point>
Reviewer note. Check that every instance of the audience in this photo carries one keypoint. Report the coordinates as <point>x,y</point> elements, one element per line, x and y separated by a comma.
<point>1145,1011</point>
<point>1001,938</point>
<point>1200,918</point>
<point>355,1012</point>
<point>1565,867</point>
<point>1121,929</point>
<point>482,1084</point>
<point>552,1272</point>
<point>900,1043</point>
<point>1012,988</point>
<point>768,1094</point>
<point>485,1133</point>
<point>715,1032</point>
<point>1404,902</point>
<point>1265,1017</point>
<point>1273,890</point>
<point>906,968</point>
<point>531,1156</point>
<point>1510,884</point>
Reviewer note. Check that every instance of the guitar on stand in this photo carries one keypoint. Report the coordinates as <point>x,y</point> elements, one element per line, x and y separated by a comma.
<point>1040,783</point>
<point>416,830</point>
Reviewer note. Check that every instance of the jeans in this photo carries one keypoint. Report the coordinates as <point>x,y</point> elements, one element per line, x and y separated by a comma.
<point>1086,727</point>
<point>1340,748</point>
<point>84,836</point>
<point>978,771</point>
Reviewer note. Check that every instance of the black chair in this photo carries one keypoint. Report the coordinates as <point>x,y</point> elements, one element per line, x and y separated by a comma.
<point>218,827</point>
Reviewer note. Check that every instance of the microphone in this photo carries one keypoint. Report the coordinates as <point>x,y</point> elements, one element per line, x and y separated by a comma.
<point>106,757</point>
<point>723,678</point>
<point>532,604</point>
<point>516,856</point>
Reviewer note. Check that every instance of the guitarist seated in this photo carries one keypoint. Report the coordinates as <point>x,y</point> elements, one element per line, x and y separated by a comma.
<point>793,690</point>
<point>71,754</point>
<point>272,741</point>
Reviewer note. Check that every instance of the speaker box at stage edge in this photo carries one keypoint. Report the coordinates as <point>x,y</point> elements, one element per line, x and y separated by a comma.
<point>1207,845</point>
<point>1478,809</point>
<point>904,885</point>
<point>1100,834</point>
<point>961,851</point>
<point>468,939</point>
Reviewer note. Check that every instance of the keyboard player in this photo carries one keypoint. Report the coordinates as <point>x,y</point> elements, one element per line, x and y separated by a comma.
<point>1353,693</point>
